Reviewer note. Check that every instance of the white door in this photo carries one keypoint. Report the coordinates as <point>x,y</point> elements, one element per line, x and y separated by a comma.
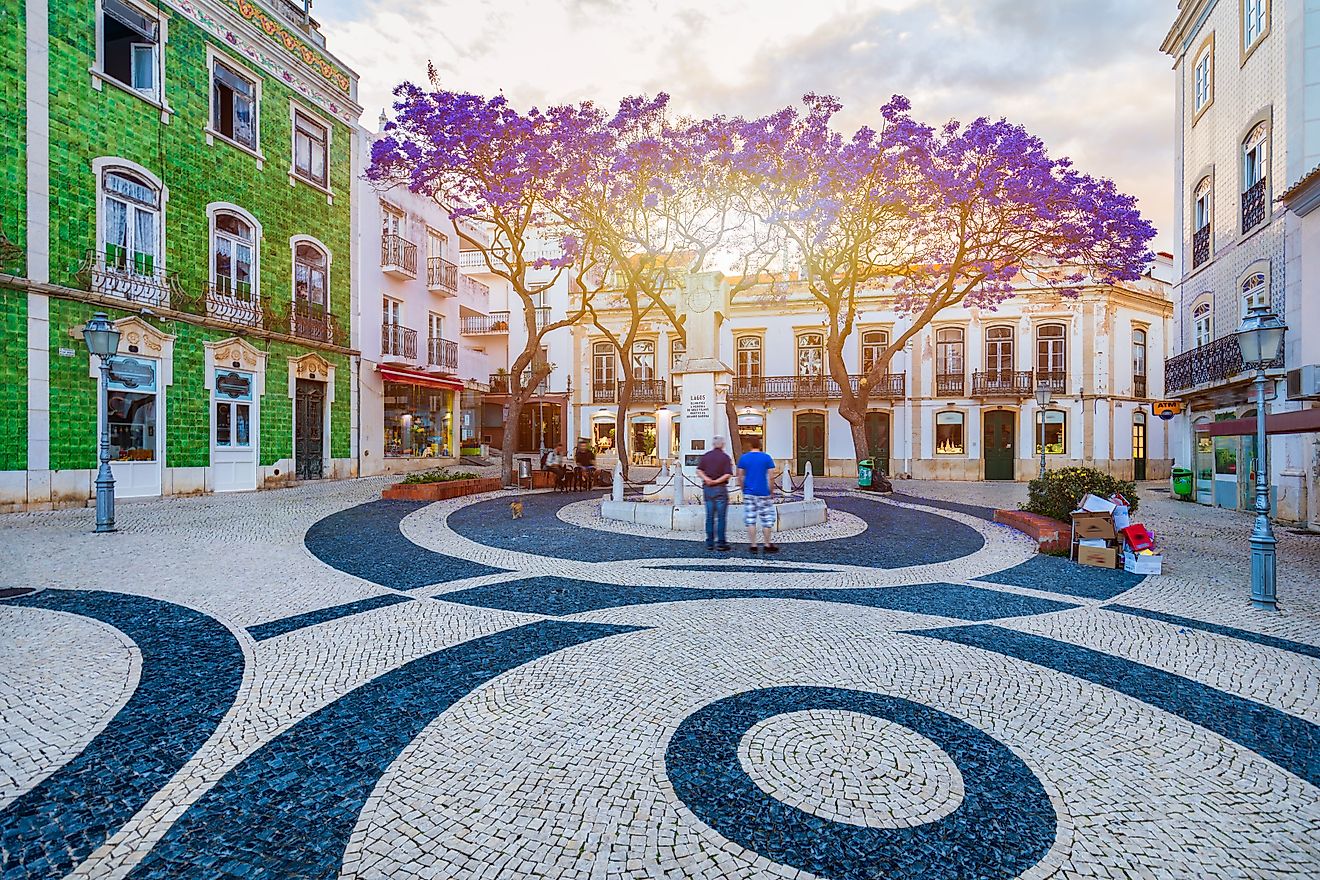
<point>234,431</point>
<point>137,442</point>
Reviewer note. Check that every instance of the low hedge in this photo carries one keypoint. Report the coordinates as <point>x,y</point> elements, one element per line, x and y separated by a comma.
<point>438,476</point>
<point>1056,494</point>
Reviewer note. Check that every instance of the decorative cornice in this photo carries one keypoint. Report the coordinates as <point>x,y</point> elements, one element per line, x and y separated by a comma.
<point>1190,14</point>
<point>291,67</point>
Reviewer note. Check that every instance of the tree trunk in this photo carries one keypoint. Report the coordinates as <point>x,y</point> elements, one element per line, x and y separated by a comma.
<point>862,448</point>
<point>621,437</point>
<point>735,442</point>
<point>510,439</point>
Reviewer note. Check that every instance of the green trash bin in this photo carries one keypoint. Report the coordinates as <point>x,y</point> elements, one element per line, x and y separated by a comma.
<point>865,469</point>
<point>1182,482</point>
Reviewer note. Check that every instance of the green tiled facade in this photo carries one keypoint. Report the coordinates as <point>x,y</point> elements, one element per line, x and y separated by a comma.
<point>13,156</point>
<point>94,118</point>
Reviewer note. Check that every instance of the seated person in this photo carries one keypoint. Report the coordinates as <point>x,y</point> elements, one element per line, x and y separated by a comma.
<point>553,461</point>
<point>585,459</point>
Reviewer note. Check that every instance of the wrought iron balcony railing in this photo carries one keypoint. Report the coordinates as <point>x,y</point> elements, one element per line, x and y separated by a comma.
<point>1253,205</point>
<point>1055,380</point>
<point>1210,364</point>
<point>398,341</point>
<point>950,384</point>
<point>604,392</point>
<point>312,321</point>
<point>1002,383</point>
<point>500,384</point>
<point>442,353</point>
<point>483,325</point>
<point>398,256</point>
<point>235,303</point>
<point>892,386</point>
<point>1200,246</point>
<point>129,276</point>
<point>1138,386</point>
<point>648,390</point>
<point>441,275</point>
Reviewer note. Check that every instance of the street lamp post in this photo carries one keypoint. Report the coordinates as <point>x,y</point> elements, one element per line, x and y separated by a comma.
<point>102,338</point>
<point>1260,339</point>
<point>1042,400</point>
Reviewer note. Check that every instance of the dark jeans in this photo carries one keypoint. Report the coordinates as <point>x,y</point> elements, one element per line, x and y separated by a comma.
<point>717,520</point>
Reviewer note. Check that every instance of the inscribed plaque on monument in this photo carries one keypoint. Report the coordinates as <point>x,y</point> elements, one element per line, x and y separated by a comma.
<point>697,406</point>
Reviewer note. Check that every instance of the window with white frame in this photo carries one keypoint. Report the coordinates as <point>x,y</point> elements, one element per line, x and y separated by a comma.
<point>310,277</point>
<point>1202,201</point>
<point>1203,79</point>
<point>949,351</point>
<point>130,222</point>
<point>1255,154</point>
<point>233,256</point>
<point>130,47</point>
<point>874,343</point>
<point>1139,353</point>
<point>999,350</point>
<point>749,357</point>
<point>311,141</point>
<point>1255,289</point>
<point>602,366</point>
<point>1255,17</point>
<point>1051,349</point>
<point>233,104</point>
<point>643,359</point>
<point>677,350</point>
<point>810,354</point>
<point>1202,324</point>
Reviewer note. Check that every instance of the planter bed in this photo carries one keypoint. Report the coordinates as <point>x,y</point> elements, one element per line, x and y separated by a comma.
<point>1050,535</point>
<point>440,491</point>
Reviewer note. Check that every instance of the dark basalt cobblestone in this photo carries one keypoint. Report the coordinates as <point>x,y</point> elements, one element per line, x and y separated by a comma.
<point>1289,741</point>
<point>365,541</point>
<point>558,596</point>
<point>745,569</point>
<point>976,510</point>
<point>192,667</point>
<point>895,537</point>
<point>1229,631</point>
<point>272,628</point>
<point>287,811</point>
<point>1004,825</point>
<point>1055,574</point>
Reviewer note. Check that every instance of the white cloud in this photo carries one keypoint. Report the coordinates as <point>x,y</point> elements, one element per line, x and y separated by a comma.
<point>1087,77</point>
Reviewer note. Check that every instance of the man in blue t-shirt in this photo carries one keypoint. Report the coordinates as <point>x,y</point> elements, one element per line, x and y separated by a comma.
<point>758,509</point>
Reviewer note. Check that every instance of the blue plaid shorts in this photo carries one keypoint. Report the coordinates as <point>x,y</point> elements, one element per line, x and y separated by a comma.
<point>758,510</point>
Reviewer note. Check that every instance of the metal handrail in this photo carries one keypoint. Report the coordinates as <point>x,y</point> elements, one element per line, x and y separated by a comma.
<point>442,274</point>
<point>443,353</point>
<point>397,340</point>
<point>395,250</point>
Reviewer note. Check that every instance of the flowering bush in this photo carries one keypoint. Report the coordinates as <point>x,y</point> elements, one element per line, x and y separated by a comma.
<point>1056,494</point>
<point>438,476</point>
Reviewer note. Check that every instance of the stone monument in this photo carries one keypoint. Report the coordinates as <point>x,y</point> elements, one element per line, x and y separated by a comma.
<point>705,378</point>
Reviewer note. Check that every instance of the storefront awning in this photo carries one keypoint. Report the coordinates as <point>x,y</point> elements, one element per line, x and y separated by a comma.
<point>395,374</point>
<point>1304,421</point>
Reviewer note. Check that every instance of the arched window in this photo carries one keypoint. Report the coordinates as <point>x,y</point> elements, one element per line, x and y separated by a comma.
<point>643,359</point>
<point>1255,176</point>
<point>949,351</point>
<point>677,351</point>
<point>810,354</point>
<point>1203,87</point>
<point>130,222</point>
<point>1255,287</point>
<point>1139,362</point>
<point>310,275</point>
<point>1202,324</point>
<point>602,370</point>
<point>874,343</point>
<point>749,357</point>
<point>1202,202</point>
<point>999,350</point>
<point>233,256</point>
<point>1051,350</point>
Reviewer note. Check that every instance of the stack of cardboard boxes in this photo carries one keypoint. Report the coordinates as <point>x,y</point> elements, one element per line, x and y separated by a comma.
<point>1103,533</point>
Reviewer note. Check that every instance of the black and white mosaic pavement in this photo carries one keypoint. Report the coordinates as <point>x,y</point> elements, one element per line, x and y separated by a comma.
<point>315,684</point>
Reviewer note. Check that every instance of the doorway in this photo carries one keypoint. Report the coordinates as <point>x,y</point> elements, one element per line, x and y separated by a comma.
<point>134,413</point>
<point>309,430</point>
<point>1139,446</point>
<point>540,426</point>
<point>810,432</point>
<point>234,434</point>
<point>877,440</point>
<point>998,445</point>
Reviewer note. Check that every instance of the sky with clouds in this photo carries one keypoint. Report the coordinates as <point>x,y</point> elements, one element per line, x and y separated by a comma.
<point>1085,75</point>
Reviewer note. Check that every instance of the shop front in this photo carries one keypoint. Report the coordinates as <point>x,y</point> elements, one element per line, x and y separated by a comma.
<point>235,376</point>
<point>751,426</point>
<point>602,432</point>
<point>134,414</point>
<point>420,415</point>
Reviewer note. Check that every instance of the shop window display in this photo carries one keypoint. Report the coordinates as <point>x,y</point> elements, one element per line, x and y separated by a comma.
<point>132,409</point>
<point>1056,422</point>
<point>418,421</point>
<point>949,434</point>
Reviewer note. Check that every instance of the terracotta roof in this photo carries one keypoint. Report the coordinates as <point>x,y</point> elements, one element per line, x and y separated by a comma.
<point>1307,180</point>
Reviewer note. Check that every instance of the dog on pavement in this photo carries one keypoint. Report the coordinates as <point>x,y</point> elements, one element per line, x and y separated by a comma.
<point>515,508</point>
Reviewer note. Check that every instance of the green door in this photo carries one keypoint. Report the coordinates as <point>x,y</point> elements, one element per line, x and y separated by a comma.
<point>877,439</point>
<point>998,445</point>
<point>811,443</point>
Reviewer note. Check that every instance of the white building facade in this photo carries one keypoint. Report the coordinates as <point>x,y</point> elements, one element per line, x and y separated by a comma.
<point>958,403</point>
<point>1248,126</point>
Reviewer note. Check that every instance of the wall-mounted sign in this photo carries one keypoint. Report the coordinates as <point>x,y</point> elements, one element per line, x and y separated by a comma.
<point>66,352</point>
<point>691,460</point>
<point>697,406</point>
<point>233,384</point>
<point>132,374</point>
<point>1166,409</point>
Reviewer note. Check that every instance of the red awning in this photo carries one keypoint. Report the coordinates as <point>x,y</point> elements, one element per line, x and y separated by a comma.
<point>396,374</point>
<point>1303,421</point>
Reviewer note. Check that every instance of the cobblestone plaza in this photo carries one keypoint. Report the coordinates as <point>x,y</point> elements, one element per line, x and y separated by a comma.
<point>313,682</point>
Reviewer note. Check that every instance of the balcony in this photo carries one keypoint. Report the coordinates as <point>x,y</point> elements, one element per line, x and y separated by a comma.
<point>398,256</point>
<point>892,386</point>
<point>1253,205</point>
<point>604,392</point>
<point>311,321</point>
<point>1002,383</point>
<point>1211,364</point>
<point>950,384</point>
<point>1055,380</point>
<point>441,276</point>
<point>398,343</point>
<point>473,261</point>
<point>236,304</point>
<point>442,353</point>
<point>499,383</point>
<point>496,323</point>
<point>127,276</point>
<point>1139,386</point>
<point>473,295</point>
<point>1200,246</point>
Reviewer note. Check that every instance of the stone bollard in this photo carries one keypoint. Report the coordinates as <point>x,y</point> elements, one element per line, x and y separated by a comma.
<point>616,491</point>
<point>679,480</point>
<point>786,482</point>
<point>809,485</point>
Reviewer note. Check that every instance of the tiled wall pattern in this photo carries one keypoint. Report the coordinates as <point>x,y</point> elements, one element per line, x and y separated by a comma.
<point>13,170</point>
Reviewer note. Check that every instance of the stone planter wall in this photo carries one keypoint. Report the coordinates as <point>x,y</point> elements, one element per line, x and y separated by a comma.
<point>440,491</point>
<point>1050,535</point>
